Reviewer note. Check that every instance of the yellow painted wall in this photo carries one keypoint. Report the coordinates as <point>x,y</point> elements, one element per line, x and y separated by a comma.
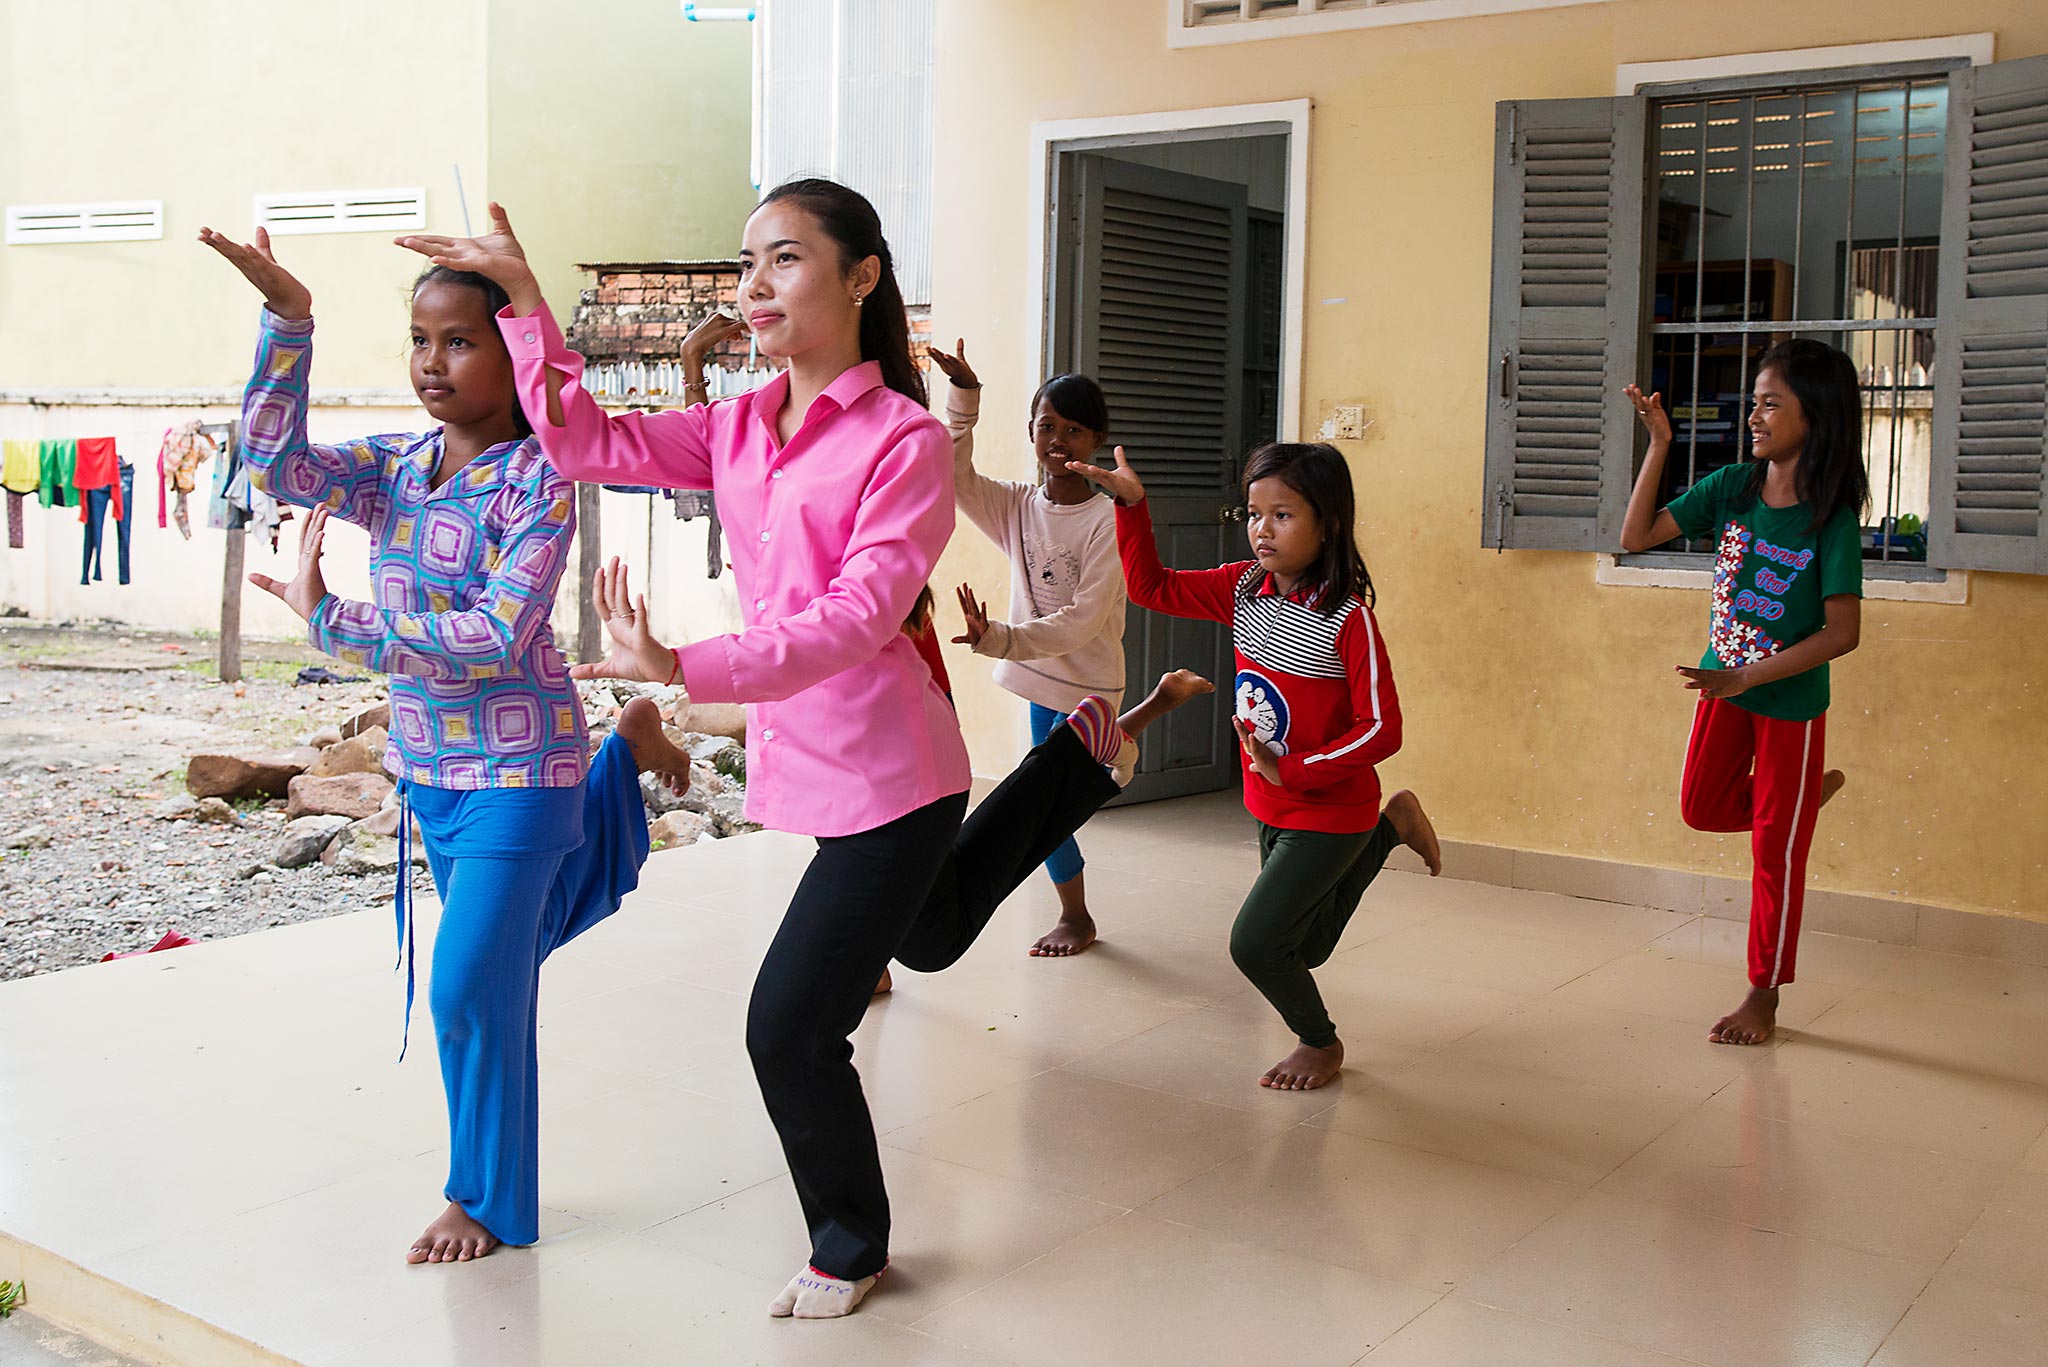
<point>1542,711</point>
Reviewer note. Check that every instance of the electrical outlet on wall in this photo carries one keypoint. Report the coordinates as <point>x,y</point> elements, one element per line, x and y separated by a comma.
<point>1345,422</point>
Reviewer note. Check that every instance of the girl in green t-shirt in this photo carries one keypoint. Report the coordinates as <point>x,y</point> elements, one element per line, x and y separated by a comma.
<point>1787,598</point>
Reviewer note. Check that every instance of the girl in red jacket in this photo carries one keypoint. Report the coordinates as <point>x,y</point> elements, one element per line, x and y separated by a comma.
<point>1315,711</point>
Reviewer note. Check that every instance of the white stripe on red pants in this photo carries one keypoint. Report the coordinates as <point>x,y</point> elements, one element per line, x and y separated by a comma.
<point>1745,772</point>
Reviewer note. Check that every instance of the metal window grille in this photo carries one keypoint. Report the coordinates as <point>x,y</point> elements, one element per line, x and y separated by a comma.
<point>1201,14</point>
<point>1803,211</point>
<point>343,211</point>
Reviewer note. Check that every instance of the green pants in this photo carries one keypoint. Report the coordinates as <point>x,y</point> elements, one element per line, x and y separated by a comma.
<point>1309,884</point>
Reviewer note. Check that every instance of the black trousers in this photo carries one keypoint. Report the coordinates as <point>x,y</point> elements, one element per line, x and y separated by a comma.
<point>917,890</point>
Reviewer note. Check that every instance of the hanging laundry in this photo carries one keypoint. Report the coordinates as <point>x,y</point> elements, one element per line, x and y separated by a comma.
<point>21,474</point>
<point>186,447</point>
<point>229,508</point>
<point>98,467</point>
<point>59,474</point>
<point>121,494</point>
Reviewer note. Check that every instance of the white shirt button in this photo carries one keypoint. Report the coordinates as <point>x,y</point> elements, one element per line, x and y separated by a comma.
<point>761,603</point>
<point>774,474</point>
<point>529,338</point>
<point>764,536</point>
<point>767,735</point>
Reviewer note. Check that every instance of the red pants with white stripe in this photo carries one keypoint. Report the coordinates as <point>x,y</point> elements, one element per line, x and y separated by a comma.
<point>1758,774</point>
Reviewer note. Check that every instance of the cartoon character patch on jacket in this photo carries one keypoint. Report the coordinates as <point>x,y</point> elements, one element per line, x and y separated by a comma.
<point>1263,707</point>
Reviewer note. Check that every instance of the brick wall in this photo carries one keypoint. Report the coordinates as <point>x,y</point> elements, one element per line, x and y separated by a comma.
<point>642,311</point>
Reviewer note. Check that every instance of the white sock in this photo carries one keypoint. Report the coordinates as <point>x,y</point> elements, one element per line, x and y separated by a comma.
<point>812,1295</point>
<point>1125,765</point>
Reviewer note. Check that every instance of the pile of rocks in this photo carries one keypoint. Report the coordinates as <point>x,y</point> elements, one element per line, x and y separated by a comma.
<point>341,809</point>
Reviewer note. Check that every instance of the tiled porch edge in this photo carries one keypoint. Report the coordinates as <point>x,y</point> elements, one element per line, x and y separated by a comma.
<point>121,1318</point>
<point>1944,929</point>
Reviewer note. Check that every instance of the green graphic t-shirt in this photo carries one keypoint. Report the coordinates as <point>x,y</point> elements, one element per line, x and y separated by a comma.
<point>1771,574</point>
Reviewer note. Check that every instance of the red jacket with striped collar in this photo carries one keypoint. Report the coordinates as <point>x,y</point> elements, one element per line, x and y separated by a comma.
<point>1315,687</point>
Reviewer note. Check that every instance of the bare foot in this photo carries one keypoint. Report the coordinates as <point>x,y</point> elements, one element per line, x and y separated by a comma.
<point>1174,689</point>
<point>1411,823</point>
<point>653,751</point>
<point>454,1238</point>
<point>886,985</point>
<point>1072,935</point>
<point>1750,1023</point>
<point>1831,783</point>
<point>1305,1069</point>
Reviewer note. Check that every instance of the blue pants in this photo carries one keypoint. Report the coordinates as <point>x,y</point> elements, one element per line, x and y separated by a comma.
<point>521,872</point>
<point>96,501</point>
<point>1065,865</point>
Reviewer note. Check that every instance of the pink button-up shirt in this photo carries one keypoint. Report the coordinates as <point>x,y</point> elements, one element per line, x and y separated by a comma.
<point>831,538</point>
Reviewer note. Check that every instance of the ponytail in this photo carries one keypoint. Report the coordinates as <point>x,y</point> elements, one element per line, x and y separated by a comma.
<point>851,222</point>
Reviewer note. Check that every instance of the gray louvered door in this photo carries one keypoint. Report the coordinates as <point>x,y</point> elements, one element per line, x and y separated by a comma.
<point>1158,318</point>
<point>1991,368</point>
<point>1567,310</point>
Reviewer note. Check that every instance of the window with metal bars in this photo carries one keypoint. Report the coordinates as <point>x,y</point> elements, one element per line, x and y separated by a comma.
<point>1808,211</point>
<point>1669,238</point>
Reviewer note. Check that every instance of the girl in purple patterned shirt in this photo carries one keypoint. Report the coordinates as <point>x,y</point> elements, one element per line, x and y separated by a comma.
<point>530,839</point>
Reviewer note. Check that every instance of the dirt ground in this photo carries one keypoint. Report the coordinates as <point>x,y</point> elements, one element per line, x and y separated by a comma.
<point>95,729</point>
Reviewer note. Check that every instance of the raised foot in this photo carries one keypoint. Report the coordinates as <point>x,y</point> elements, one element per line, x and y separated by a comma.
<point>1750,1023</point>
<point>1072,935</point>
<point>1411,823</point>
<point>453,1238</point>
<point>653,752</point>
<point>812,1295</point>
<point>1831,783</point>
<point>1306,1069</point>
<point>1178,686</point>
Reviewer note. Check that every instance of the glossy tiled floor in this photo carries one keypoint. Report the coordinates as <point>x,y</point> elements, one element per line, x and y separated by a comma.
<point>1535,1158</point>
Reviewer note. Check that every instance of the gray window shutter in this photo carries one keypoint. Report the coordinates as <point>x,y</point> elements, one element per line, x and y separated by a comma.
<point>1567,321</point>
<point>1986,510</point>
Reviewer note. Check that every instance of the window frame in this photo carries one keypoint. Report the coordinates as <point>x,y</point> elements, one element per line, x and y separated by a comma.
<point>1765,82</point>
<point>1308,17</point>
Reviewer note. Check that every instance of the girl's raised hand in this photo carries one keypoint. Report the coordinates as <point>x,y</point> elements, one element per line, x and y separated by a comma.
<point>1264,762</point>
<point>976,613</point>
<point>958,373</point>
<point>308,587</point>
<point>634,653</point>
<point>496,255</point>
<point>282,293</point>
<point>1122,483</point>
<point>1650,412</point>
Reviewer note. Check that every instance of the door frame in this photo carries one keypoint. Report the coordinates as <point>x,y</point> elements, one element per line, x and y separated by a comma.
<point>1289,118</point>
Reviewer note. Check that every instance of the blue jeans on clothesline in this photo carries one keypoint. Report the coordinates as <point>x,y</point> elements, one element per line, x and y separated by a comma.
<point>96,501</point>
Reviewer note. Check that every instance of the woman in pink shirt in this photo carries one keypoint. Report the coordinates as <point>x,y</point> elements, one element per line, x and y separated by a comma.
<point>835,485</point>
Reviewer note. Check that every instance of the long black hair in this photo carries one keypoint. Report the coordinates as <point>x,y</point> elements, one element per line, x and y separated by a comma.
<point>1830,475</point>
<point>851,222</point>
<point>1316,471</point>
<point>495,299</point>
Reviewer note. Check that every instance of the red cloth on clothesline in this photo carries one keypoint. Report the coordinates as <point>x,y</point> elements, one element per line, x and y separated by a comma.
<point>98,468</point>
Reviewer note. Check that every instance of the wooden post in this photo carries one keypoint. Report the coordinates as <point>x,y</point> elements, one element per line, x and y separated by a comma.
<point>231,604</point>
<point>227,437</point>
<point>589,560</point>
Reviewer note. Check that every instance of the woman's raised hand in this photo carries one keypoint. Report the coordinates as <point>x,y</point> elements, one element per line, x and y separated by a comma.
<point>634,653</point>
<point>496,255</point>
<point>708,336</point>
<point>958,373</point>
<point>282,293</point>
<point>1122,483</point>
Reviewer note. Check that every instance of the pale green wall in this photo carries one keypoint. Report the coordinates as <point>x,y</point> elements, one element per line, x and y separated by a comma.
<point>203,104</point>
<point>618,134</point>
